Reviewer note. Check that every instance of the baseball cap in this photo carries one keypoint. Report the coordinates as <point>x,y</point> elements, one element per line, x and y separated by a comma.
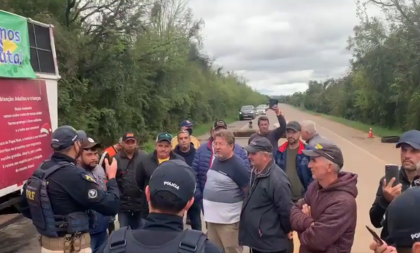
<point>89,143</point>
<point>293,125</point>
<point>411,138</point>
<point>186,123</point>
<point>65,136</point>
<point>128,136</point>
<point>164,136</point>
<point>260,144</point>
<point>329,151</point>
<point>176,177</point>
<point>403,218</point>
<point>219,124</point>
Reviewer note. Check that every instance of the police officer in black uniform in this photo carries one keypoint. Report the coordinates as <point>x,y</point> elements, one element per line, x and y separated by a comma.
<point>170,193</point>
<point>58,195</point>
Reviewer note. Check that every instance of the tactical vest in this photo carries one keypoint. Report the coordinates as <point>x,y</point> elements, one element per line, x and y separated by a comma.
<point>188,241</point>
<point>43,218</point>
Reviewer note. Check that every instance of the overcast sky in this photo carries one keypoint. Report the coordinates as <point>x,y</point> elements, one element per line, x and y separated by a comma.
<point>278,45</point>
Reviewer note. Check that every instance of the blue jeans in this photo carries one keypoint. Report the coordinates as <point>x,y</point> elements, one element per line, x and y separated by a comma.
<point>97,240</point>
<point>194,214</point>
<point>130,219</point>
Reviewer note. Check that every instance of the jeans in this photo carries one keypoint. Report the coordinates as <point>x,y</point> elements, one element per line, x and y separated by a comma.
<point>130,219</point>
<point>194,214</point>
<point>97,240</point>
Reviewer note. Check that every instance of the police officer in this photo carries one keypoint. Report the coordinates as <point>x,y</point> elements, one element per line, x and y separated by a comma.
<point>170,193</point>
<point>58,195</point>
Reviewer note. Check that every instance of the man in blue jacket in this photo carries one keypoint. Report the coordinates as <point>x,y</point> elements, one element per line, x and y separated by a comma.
<point>204,158</point>
<point>291,159</point>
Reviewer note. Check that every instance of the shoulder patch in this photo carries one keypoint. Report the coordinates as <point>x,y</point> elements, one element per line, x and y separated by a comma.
<point>88,178</point>
<point>92,193</point>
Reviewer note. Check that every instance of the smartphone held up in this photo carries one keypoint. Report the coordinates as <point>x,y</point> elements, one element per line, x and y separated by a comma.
<point>392,171</point>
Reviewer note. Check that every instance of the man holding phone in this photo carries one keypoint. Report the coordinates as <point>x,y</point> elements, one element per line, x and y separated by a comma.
<point>272,135</point>
<point>392,184</point>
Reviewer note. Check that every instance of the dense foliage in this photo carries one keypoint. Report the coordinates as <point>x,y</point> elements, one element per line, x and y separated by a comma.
<point>382,86</point>
<point>134,65</point>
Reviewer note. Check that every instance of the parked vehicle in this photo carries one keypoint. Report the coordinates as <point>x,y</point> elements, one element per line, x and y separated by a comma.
<point>247,111</point>
<point>261,109</point>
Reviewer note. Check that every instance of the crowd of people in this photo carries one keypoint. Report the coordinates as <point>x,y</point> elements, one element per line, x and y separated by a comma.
<point>257,196</point>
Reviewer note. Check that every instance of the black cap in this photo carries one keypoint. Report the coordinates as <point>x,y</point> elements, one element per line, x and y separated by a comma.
<point>164,136</point>
<point>89,143</point>
<point>128,136</point>
<point>219,124</point>
<point>65,136</point>
<point>403,218</point>
<point>329,151</point>
<point>411,138</point>
<point>260,144</point>
<point>174,176</point>
<point>293,125</point>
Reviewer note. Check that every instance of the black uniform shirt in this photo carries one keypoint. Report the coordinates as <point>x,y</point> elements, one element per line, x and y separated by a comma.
<point>160,229</point>
<point>71,189</point>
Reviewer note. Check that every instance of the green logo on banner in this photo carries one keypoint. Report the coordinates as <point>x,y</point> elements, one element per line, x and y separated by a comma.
<point>15,58</point>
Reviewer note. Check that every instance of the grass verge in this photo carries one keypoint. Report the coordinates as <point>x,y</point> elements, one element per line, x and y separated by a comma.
<point>377,130</point>
<point>200,129</point>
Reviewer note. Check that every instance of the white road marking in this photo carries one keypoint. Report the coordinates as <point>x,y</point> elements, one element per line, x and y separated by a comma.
<point>354,145</point>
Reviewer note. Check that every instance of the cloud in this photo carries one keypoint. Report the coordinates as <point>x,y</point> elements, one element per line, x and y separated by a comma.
<point>278,45</point>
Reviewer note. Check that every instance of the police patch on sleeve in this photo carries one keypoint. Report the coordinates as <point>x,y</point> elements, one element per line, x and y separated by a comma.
<point>92,194</point>
<point>88,178</point>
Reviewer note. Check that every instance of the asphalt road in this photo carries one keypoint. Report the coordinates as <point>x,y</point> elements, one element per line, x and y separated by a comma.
<point>363,156</point>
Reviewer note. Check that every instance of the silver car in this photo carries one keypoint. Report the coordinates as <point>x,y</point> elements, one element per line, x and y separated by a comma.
<point>260,110</point>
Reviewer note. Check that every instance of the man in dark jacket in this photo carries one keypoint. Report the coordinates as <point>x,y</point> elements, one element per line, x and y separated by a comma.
<point>89,161</point>
<point>149,163</point>
<point>131,196</point>
<point>265,225</point>
<point>408,177</point>
<point>186,149</point>
<point>291,159</point>
<point>272,135</point>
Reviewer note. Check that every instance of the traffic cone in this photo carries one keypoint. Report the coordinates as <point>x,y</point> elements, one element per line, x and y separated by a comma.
<point>370,133</point>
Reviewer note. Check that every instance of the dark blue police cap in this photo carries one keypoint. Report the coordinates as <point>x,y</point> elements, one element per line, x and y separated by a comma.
<point>65,136</point>
<point>411,138</point>
<point>174,176</point>
<point>403,218</point>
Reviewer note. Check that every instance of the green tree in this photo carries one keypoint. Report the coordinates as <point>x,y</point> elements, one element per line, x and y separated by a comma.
<point>382,86</point>
<point>134,65</point>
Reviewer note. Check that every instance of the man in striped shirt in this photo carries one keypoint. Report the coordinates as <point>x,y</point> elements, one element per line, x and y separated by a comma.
<point>224,191</point>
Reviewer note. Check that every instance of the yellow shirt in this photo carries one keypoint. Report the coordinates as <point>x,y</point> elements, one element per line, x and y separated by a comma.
<point>194,141</point>
<point>163,160</point>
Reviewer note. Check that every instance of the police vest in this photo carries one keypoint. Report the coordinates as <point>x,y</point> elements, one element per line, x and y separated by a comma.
<point>188,241</point>
<point>43,218</point>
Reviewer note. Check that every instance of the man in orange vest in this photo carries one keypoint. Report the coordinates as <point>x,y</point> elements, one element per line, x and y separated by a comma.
<point>110,152</point>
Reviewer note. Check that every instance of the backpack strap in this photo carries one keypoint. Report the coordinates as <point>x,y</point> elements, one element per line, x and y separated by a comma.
<point>52,170</point>
<point>192,242</point>
<point>117,241</point>
<point>43,174</point>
